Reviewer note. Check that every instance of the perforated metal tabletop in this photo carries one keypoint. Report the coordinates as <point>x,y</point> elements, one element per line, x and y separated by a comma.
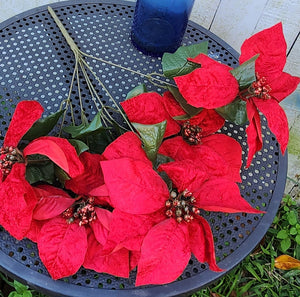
<point>37,63</point>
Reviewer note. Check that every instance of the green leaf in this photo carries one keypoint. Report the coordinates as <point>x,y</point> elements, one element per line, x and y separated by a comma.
<point>152,136</point>
<point>40,169</point>
<point>293,231</point>
<point>20,288</point>
<point>297,238</point>
<point>86,129</point>
<point>43,126</point>
<point>61,175</point>
<point>15,294</point>
<point>292,218</point>
<point>251,270</point>
<point>97,143</point>
<point>282,234</point>
<point>189,109</point>
<point>140,89</point>
<point>27,294</point>
<point>245,73</point>
<point>285,244</point>
<point>79,145</point>
<point>234,112</point>
<point>176,64</point>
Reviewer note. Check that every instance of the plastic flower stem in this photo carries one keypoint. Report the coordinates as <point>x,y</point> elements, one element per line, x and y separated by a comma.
<point>79,60</point>
<point>149,76</point>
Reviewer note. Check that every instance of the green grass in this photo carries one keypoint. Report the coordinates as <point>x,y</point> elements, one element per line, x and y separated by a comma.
<point>256,276</point>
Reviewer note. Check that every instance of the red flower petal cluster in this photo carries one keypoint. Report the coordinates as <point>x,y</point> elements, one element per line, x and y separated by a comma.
<point>271,87</point>
<point>17,196</point>
<point>140,221</point>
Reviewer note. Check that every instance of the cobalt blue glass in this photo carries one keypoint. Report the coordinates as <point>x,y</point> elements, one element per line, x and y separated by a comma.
<point>159,25</point>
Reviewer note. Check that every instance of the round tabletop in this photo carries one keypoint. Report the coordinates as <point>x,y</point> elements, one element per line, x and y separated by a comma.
<point>36,63</point>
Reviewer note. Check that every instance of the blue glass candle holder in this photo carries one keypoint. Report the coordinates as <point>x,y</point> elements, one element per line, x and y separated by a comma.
<point>159,25</point>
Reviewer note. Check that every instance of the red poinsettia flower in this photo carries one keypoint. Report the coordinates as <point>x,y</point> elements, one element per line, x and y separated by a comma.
<point>210,86</point>
<point>270,88</point>
<point>208,148</point>
<point>71,232</point>
<point>17,197</point>
<point>152,108</point>
<point>16,208</point>
<point>145,217</point>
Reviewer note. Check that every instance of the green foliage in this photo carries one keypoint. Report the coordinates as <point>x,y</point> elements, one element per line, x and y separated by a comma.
<point>245,73</point>
<point>17,289</point>
<point>176,64</point>
<point>43,126</point>
<point>152,136</point>
<point>189,109</point>
<point>234,112</point>
<point>256,276</point>
<point>86,129</point>
<point>138,90</point>
<point>40,168</point>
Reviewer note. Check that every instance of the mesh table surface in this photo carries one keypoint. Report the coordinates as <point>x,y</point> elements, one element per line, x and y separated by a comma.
<point>37,63</point>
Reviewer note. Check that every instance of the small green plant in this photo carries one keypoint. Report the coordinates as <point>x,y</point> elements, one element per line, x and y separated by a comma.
<point>17,289</point>
<point>287,227</point>
<point>257,276</point>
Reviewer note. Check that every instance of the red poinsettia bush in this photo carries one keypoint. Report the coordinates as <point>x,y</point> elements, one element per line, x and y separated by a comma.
<point>138,201</point>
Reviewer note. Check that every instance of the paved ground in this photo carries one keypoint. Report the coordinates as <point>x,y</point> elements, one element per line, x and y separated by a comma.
<point>291,106</point>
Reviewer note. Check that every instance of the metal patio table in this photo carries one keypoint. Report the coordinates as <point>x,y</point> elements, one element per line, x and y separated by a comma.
<point>37,63</point>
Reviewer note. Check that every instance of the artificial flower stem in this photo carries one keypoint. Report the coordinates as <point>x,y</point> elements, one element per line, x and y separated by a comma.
<point>79,59</point>
<point>149,76</point>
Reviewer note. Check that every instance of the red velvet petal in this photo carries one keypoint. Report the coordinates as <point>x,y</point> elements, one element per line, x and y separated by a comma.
<point>127,145</point>
<point>116,264</point>
<point>207,62</point>
<point>172,106</point>
<point>208,87</point>
<point>271,47</point>
<point>134,187</point>
<point>277,120</point>
<point>202,243</point>
<point>229,150</point>
<point>203,156</point>
<point>164,255</point>
<point>52,202</point>
<point>59,150</point>
<point>148,109</point>
<point>128,231</point>
<point>35,229</point>
<point>91,178</point>
<point>254,135</point>
<point>62,247</point>
<point>209,121</point>
<point>223,195</point>
<point>283,85</point>
<point>134,258</point>
<point>100,226</point>
<point>184,174</point>
<point>26,113</point>
<point>17,202</point>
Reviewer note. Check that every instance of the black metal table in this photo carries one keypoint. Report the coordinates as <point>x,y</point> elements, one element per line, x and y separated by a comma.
<point>37,63</point>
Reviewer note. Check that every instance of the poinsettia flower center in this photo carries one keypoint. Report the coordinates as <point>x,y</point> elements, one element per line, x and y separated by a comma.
<point>191,133</point>
<point>9,155</point>
<point>181,206</point>
<point>260,88</point>
<point>82,211</point>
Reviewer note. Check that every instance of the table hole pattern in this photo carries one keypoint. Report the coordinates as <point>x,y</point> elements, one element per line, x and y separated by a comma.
<point>37,64</point>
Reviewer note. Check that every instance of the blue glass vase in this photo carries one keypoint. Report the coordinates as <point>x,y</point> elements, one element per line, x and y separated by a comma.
<point>159,25</point>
